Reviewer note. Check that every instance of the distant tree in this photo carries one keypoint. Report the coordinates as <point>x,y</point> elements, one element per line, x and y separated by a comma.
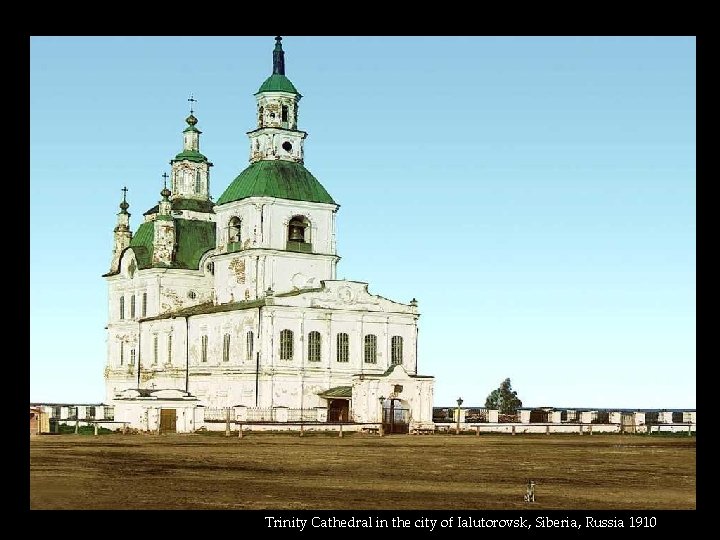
<point>504,399</point>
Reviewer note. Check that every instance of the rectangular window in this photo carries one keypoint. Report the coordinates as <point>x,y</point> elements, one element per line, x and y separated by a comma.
<point>396,345</point>
<point>144,304</point>
<point>169,349</point>
<point>90,412</point>
<point>371,349</point>
<point>122,353</point>
<point>132,306</point>
<point>109,412</point>
<point>122,307</point>
<point>132,357</point>
<point>286,345</point>
<point>250,338</point>
<point>155,349</point>
<point>284,113</point>
<point>203,352</point>
<point>226,348</point>
<point>343,347</point>
<point>314,347</point>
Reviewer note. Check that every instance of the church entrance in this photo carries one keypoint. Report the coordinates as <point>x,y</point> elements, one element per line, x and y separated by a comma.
<point>396,416</point>
<point>338,410</point>
<point>168,419</point>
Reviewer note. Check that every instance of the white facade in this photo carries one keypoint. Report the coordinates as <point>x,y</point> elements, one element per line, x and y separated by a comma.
<point>237,304</point>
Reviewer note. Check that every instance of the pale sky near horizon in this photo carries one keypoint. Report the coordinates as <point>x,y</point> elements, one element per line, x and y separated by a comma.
<point>535,194</point>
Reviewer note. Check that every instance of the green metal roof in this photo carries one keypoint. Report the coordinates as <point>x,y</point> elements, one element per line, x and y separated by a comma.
<point>193,238</point>
<point>191,128</point>
<point>277,83</point>
<point>276,178</point>
<point>337,392</point>
<point>190,155</point>
<point>186,204</point>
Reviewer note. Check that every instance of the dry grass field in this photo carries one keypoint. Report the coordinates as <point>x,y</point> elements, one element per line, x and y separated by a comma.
<point>269,471</point>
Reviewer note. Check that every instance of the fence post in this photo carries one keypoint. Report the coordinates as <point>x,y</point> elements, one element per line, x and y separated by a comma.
<point>340,418</point>
<point>227,422</point>
<point>547,429</point>
<point>477,431</point>
<point>96,429</point>
<point>513,429</point>
<point>77,425</point>
<point>240,431</point>
<point>301,429</point>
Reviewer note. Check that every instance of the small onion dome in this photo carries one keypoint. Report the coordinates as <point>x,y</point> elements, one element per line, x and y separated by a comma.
<point>165,192</point>
<point>124,206</point>
<point>191,120</point>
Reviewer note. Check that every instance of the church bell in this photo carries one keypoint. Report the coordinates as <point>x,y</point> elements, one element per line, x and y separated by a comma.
<point>297,232</point>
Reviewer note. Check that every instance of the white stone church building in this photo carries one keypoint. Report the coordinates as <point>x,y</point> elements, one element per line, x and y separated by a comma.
<point>235,302</point>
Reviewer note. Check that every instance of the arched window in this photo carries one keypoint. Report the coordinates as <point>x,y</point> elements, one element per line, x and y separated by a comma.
<point>284,116</point>
<point>203,350</point>
<point>396,346</point>
<point>169,349</point>
<point>144,304</point>
<point>198,182</point>
<point>234,230</point>
<point>371,349</point>
<point>261,112</point>
<point>250,341</point>
<point>343,347</point>
<point>122,307</point>
<point>226,348</point>
<point>132,357</point>
<point>132,306</point>
<point>314,347</point>
<point>122,353</point>
<point>286,345</point>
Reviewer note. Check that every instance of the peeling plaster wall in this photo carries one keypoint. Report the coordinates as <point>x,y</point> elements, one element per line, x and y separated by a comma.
<point>261,260</point>
<point>290,383</point>
<point>265,223</point>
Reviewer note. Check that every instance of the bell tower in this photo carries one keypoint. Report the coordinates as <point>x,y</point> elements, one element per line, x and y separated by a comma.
<point>190,168</point>
<point>277,135</point>
<point>275,221</point>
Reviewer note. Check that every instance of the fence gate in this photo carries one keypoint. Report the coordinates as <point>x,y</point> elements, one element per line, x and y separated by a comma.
<point>627,422</point>
<point>168,419</point>
<point>395,418</point>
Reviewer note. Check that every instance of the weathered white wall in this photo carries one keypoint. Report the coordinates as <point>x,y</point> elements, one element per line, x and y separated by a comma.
<point>264,223</point>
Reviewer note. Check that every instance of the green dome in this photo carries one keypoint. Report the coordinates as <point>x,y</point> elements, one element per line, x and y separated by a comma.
<point>278,83</point>
<point>279,179</point>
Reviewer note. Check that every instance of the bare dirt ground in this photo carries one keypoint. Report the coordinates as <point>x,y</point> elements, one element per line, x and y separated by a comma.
<point>269,471</point>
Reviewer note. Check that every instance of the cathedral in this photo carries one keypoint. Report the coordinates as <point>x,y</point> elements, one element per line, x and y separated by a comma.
<point>235,302</point>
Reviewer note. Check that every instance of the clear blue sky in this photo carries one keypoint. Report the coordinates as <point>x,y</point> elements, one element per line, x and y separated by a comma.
<point>536,195</point>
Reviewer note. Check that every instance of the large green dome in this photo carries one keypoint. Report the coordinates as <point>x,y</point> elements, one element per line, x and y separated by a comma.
<point>276,178</point>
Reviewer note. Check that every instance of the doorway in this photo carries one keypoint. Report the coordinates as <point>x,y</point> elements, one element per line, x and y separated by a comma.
<point>338,410</point>
<point>168,420</point>
<point>396,416</point>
